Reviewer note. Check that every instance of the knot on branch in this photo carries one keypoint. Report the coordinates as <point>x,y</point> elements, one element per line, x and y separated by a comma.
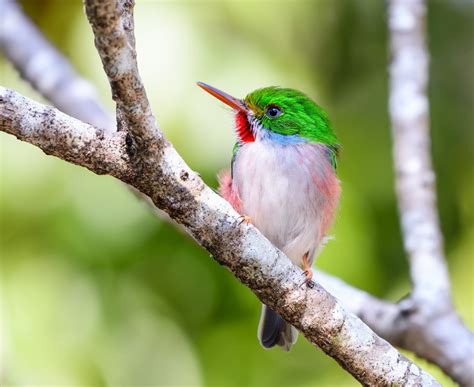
<point>131,146</point>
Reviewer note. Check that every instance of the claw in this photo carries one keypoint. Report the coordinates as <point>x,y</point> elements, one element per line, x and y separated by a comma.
<point>307,271</point>
<point>245,219</point>
<point>308,281</point>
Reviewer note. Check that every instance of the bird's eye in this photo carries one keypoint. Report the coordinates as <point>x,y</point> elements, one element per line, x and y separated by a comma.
<point>273,111</point>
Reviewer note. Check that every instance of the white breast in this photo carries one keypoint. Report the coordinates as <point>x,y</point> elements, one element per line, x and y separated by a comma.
<point>276,185</point>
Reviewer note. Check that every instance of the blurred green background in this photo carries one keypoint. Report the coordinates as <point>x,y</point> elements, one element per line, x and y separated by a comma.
<point>95,290</point>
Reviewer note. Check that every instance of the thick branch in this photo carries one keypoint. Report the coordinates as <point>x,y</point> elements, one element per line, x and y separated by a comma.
<point>216,226</point>
<point>431,323</point>
<point>381,316</point>
<point>38,61</point>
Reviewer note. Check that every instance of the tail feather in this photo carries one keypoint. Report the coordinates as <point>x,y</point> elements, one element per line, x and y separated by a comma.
<point>273,330</point>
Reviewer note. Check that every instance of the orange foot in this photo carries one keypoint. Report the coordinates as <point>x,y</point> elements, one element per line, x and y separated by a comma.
<point>307,271</point>
<point>245,219</point>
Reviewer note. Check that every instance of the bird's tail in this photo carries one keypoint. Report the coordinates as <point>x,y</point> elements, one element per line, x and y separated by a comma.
<point>273,330</point>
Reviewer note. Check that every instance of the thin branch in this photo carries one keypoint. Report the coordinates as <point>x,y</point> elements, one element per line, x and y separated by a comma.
<point>431,319</point>
<point>112,24</point>
<point>40,63</point>
<point>60,135</point>
<point>409,113</point>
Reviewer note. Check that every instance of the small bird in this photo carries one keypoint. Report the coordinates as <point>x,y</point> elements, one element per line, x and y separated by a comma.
<point>283,180</point>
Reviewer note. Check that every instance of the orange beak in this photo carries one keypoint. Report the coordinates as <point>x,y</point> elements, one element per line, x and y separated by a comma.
<point>234,103</point>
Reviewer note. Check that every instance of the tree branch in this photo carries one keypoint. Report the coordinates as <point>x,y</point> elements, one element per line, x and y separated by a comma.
<point>60,135</point>
<point>38,61</point>
<point>431,324</point>
<point>112,24</point>
<point>380,315</point>
<point>415,176</point>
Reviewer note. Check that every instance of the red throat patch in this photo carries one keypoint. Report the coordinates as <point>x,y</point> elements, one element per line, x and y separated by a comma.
<point>242,124</point>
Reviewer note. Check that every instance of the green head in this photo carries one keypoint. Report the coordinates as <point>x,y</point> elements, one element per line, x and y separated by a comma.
<point>286,112</point>
<point>290,112</point>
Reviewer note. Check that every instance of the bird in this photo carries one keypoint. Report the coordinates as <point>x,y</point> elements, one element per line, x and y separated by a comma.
<point>283,181</point>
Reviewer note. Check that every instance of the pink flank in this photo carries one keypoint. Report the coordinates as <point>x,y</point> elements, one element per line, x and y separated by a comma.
<point>226,191</point>
<point>332,190</point>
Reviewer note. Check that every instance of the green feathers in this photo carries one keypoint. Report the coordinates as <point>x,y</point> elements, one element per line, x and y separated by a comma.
<point>290,112</point>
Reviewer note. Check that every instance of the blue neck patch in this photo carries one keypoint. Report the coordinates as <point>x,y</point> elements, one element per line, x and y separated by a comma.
<point>281,139</point>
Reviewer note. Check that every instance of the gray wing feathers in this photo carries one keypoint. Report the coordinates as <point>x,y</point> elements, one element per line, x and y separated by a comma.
<point>273,330</point>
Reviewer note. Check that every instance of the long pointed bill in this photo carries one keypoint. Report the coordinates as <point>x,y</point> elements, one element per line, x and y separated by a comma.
<point>234,103</point>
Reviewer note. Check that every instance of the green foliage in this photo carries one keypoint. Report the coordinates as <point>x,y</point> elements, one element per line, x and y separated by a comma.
<point>95,290</point>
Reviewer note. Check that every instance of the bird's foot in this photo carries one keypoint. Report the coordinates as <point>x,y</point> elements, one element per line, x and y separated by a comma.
<point>245,219</point>
<point>308,281</point>
<point>307,271</point>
